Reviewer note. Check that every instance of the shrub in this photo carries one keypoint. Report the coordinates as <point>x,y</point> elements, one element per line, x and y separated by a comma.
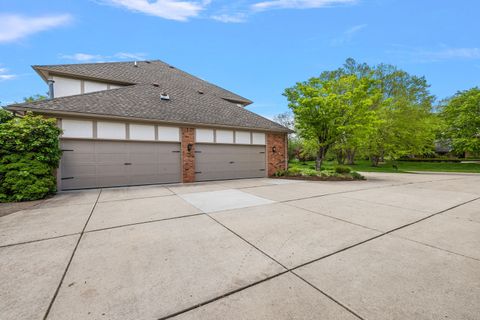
<point>357,176</point>
<point>310,172</point>
<point>24,178</point>
<point>280,173</point>
<point>342,169</point>
<point>31,134</point>
<point>5,115</point>
<point>294,171</point>
<point>29,153</point>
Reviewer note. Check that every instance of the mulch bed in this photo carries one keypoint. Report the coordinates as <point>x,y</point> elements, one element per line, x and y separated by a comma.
<point>316,178</point>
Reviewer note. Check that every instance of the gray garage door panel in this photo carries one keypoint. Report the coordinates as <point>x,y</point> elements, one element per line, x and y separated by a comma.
<point>91,164</point>
<point>217,162</point>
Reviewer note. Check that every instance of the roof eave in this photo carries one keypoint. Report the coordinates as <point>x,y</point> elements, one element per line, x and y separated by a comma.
<point>44,72</point>
<point>41,72</point>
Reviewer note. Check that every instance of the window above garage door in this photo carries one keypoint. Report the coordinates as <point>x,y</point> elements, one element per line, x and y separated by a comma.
<point>114,130</point>
<point>223,136</point>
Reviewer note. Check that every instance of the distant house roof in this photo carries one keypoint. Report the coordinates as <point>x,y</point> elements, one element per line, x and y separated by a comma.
<point>141,72</point>
<point>190,99</point>
<point>143,101</point>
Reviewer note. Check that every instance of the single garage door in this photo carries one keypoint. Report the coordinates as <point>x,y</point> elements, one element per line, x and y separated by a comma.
<point>217,162</point>
<point>91,164</point>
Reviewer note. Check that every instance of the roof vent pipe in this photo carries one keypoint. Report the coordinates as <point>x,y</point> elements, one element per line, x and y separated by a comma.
<point>135,64</point>
<point>50,88</point>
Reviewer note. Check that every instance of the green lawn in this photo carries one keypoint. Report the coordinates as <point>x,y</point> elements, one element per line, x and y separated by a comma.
<point>403,166</point>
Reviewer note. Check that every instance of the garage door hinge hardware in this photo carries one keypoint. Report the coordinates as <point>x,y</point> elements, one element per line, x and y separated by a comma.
<point>63,150</point>
<point>262,169</point>
<point>176,151</point>
<point>67,178</point>
<point>232,162</point>
<point>197,172</point>
<point>198,151</point>
<point>127,164</point>
<point>262,152</point>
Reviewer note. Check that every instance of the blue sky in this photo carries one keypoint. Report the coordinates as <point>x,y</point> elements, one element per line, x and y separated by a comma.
<point>255,48</point>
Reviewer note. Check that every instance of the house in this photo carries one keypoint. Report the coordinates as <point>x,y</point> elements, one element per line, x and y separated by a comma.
<point>147,122</point>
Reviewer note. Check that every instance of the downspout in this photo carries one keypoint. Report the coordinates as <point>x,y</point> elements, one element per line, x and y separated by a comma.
<point>286,151</point>
<point>51,93</point>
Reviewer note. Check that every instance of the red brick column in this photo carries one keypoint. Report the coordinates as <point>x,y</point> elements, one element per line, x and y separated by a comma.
<point>276,160</point>
<point>188,157</point>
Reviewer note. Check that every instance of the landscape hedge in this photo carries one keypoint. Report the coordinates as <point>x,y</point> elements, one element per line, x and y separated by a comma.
<point>29,155</point>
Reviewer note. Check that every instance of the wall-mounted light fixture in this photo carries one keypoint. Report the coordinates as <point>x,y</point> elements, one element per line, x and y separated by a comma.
<point>274,149</point>
<point>189,147</point>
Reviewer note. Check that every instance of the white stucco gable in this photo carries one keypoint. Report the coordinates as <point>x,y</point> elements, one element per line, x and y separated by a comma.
<point>65,86</point>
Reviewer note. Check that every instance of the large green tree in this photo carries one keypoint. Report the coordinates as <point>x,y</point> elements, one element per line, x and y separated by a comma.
<point>380,111</point>
<point>330,107</point>
<point>405,123</point>
<point>349,143</point>
<point>461,116</point>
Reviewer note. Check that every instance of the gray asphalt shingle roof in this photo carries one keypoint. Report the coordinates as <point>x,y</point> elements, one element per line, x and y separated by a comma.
<point>145,72</point>
<point>192,100</point>
<point>142,101</point>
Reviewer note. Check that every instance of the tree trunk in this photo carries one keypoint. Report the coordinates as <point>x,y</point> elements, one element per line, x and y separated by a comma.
<point>340,157</point>
<point>350,154</point>
<point>320,155</point>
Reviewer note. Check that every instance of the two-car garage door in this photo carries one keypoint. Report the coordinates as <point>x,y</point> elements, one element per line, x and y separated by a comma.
<point>226,161</point>
<point>96,163</point>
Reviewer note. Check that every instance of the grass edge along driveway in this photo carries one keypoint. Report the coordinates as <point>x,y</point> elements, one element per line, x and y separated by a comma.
<point>403,166</point>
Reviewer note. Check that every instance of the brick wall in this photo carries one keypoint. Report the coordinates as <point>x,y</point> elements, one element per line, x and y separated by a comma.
<point>276,160</point>
<point>188,157</point>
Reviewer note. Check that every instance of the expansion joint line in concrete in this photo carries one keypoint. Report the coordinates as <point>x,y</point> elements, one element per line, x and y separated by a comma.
<point>144,222</point>
<point>71,258</point>
<point>287,270</point>
<point>435,247</point>
<point>386,233</point>
<point>38,240</point>
<point>362,189</point>
<point>139,198</point>
<point>292,270</point>
<point>285,267</point>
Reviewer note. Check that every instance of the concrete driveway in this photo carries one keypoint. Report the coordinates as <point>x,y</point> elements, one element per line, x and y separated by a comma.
<point>398,246</point>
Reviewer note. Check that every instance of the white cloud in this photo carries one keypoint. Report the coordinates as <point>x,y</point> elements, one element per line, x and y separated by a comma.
<point>87,57</point>
<point>130,55</point>
<point>82,57</point>
<point>442,53</point>
<point>452,53</point>
<point>183,10</point>
<point>167,9</point>
<point>14,27</point>
<point>5,75</point>
<point>298,4</point>
<point>353,30</point>
<point>348,35</point>
<point>230,18</point>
